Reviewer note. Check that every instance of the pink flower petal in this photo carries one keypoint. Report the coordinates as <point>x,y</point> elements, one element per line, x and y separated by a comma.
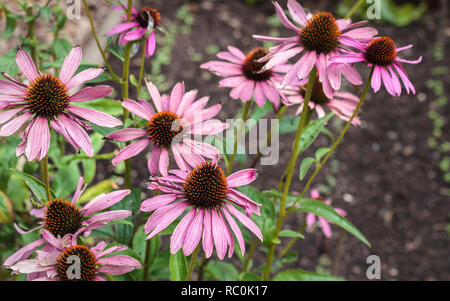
<point>130,151</point>
<point>218,234</point>
<point>178,235</point>
<point>96,117</point>
<point>157,202</point>
<point>242,177</point>
<point>163,217</point>
<point>70,65</point>
<point>122,27</point>
<point>104,201</point>
<point>297,12</point>
<point>150,46</point>
<point>193,234</point>
<point>84,76</point>
<point>91,93</point>
<point>207,238</point>
<point>164,161</point>
<point>176,96</point>
<point>154,93</point>
<point>26,65</point>
<point>38,141</point>
<point>153,161</point>
<point>245,221</point>
<point>77,135</point>
<point>127,134</point>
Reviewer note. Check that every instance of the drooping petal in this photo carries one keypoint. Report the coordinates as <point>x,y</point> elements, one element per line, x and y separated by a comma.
<point>178,235</point>
<point>194,234</point>
<point>77,134</point>
<point>38,141</point>
<point>220,240</point>
<point>150,46</point>
<point>163,217</point>
<point>207,237</point>
<point>164,161</point>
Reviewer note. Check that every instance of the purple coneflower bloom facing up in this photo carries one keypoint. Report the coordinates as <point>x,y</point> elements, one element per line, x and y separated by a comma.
<point>210,198</point>
<point>321,36</point>
<point>245,75</point>
<point>142,25</point>
<point>381,53</point>
<point>53,263</point>
<point>325,224</point>
<point>46,101</point>
<point>176,117</point>
<point>343,104</point>
<point>62,217</point>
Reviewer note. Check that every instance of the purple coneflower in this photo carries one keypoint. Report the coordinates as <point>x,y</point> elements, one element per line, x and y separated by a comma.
<point>142,25</point>
<point>53,262</point>
<point>321,36</point>
<point>62,217</point>
<point>46,101</point>
<point>324,224</point>
<point>381,53</point>
<point>175,118</point>
<point>343,104</point>
<point>246,76</point>
<point>211,198</point>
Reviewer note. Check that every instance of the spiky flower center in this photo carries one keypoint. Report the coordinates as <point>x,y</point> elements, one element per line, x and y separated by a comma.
<point>317,95</point>
<point>206,186</point>
<point>321,33</point>
<point>163,127</point>
<point>74,255</point>
<point>47,96</point>
<point>61,217</point>
<point>381,51</point>
<point>252,69</point>
<point>144,15</point>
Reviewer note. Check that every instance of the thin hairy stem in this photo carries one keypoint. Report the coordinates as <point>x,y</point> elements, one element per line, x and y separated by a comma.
<point>46,180</point>
<point>99,46</point>
<point>290,170</point>
<point>354,9</point>
<point>336,143</point>
<point>258,156</point>
<point>192,263</point>
<point>245,113</point>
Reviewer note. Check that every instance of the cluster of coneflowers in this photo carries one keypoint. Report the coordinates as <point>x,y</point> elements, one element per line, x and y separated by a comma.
<point>199,190</point>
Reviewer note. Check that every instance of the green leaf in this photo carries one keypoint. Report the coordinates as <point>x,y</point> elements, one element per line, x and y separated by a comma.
<point>249,277</point>
<point>6,209</point>
<point>321,209</point>
<point>302,275</point>
<point>66,179</point>
<point>11,24</point>
<point>131,202</point>
<point>222,271</point>
<point>105,186</point>
<point>105,105</point>
<point>36,186</point>
<point>289,124</point>
<point>178,266</point>
<point>8,63</point>
<point>265,222</point>
<point>312,131</point>
<point>290,233</point>
<point>61,47</point>
<point>321,152</point>
<point>305,165</point>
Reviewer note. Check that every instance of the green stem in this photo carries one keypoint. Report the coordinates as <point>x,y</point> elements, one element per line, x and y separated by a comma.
<point>201,268</point>
<point>245,113</point>
<point>147,260</point>
<point>278,116</point>
<point>44,171</point>
<point>141,70</point>
<point>31,35</point>
<point>250,255</point>
<point>292,241</point>
<point>354,9</point>
<point>336,143</point>
<point>125,94</point>
<point>99,46</point>
<point>192,263</point>
<point>290,170</point>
